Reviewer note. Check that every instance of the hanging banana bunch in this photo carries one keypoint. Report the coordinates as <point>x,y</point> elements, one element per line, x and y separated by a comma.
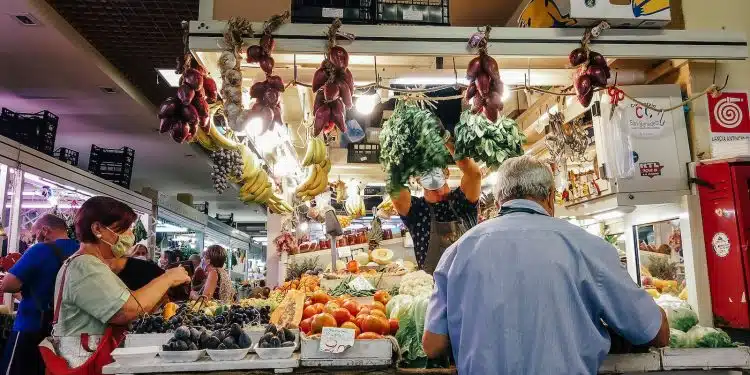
<point>355,205</point>
<point>316,159</point>
<point>340,188</point>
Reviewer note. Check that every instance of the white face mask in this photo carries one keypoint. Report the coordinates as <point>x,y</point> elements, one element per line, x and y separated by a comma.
<point>141,257</point>
<point>433,180</point>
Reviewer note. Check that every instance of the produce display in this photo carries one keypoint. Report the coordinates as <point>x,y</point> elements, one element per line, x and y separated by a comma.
<point>410,144</point>
<point>485,89</point>
<point>197,314</point>
<point>485,141</point>
<point>333,84</point>
<point>192,338</point>
<point>277,337</point>
<point>591,72</point>
<point>368,321</point>
<point>182,115</point>
<point>307,284</point>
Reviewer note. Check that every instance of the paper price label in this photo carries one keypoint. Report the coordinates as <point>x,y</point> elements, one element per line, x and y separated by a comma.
<point>333,12</point>
<point>345,252</point>
<point>336,340</point>
<point>360,283</point>
<point>412,15</point>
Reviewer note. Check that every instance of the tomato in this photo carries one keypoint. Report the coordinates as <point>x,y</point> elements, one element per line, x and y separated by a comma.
<point>322,320</point>
<point>377,306</point>
<point>330,307</point>
<point>352,266</point>
<point>382,296</point>
<point>378,313</point>
<point>341,315</point>
<point>309,311</point>
<point>386,326</point>
<point>352,306</point>
<point>308,302</point>
<point>320,297</point>
<point>374,324</point>
<point>360,319</point>
<point>305,325</point>
<point>364,310</point>
<point>353,326</point>
<point>369,336</point>
<point>319,308</point>
<point>393,323</point>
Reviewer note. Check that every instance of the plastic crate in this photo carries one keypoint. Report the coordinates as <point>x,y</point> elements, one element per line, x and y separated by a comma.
<point>35,130</point>
<point>363,153</point>
<point>114,165</point>
<point>325,11</point>
<point>417,12</point>
<point>67,155</point>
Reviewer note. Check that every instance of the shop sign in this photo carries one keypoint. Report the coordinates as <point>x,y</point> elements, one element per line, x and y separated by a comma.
<point>720,244</point>
<point>644,122</point>
<point>729,117</point>
<point>650,169</point>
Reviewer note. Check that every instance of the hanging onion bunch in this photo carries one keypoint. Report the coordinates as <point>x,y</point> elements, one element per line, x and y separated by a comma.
<point>229,65</point>
<point>227,167</point>
<point>267,106</point>
<point>181,115</point>
<point>485,89</point>
<point>333,84</point>
<point>592,71</point>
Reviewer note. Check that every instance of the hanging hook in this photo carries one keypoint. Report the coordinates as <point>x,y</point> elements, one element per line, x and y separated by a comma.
<point>615,83</point>
<point>716,67</point>
<point>295,69</point>
<point>455,72</point>
<point>377,76</point>
<point>726,82</point>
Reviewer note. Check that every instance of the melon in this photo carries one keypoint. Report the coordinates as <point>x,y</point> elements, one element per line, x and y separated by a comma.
<point>340,265</point>
<point>382,256</point>
<point>362,258</point>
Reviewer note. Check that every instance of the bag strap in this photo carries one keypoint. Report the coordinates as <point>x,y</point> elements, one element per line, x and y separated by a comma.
<point>58,302</point>
<point>59,254</point>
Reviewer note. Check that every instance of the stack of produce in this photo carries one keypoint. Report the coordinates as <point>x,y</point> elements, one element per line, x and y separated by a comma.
<point>269,304</point>
<point>334,86</point>
<point>210,315</point>
<point>316,159</point>
<point>410,144</point>
<point>485,89</point>
<point>307,283</point>
<point>486,141</point>
<point>592,71</point>
<point>368,321</point>
<point>192,338</point>
<point>684,331</point>
<point>277,337</point>
<point>182,115</point>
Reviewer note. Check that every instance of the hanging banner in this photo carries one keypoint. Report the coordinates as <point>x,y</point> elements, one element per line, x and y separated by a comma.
<point>729,119</point>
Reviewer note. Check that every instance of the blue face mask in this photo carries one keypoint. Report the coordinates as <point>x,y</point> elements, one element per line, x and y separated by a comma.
<point>433,180</point>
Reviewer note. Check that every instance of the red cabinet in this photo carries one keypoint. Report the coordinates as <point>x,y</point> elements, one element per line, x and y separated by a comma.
<point>725,209</point>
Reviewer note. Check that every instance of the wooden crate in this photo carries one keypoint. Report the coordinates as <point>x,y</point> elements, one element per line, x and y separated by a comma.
<point>705,358</point>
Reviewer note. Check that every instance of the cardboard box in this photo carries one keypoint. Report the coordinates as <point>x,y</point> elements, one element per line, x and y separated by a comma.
<point>253,10</point>
<point>585,13</point>
<point>480,12</point>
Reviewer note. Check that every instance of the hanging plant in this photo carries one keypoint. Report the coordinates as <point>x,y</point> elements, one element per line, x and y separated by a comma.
<point>140,231</point>
<point>410,144</point>
<point>486,141</point>
<point>485,89</point>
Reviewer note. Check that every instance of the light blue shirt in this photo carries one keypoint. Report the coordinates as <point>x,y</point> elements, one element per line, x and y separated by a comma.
<point>526,294</point>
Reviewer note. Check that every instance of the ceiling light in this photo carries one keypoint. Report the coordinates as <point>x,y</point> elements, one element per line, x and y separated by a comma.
<point>172,78</point>
<point>260,239</point>
<point>254,127</point>
<point>366,103</point>
<point>25,19</point>
<point>107,90</point>
<point>614,213</point>
<point>506,93</point>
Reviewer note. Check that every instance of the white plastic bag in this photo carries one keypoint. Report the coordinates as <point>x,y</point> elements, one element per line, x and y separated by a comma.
<point>619,150</point>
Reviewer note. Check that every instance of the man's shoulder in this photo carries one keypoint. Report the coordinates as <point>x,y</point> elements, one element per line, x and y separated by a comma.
<point>508,228</point>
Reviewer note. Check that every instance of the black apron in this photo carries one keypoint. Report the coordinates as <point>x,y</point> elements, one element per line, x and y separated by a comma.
<point>442,235</point>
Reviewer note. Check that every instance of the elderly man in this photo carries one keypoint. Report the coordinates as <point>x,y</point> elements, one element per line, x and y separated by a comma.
<point>34,276</point>
<point>526,293</point>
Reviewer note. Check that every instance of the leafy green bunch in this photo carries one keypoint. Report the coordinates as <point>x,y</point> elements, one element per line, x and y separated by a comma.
<point>486,141</point>
<point>410,144</point>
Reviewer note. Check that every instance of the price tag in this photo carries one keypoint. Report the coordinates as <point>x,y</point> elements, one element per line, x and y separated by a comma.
<point>412,15</point>
<point>360,283</point>
<point>345,252</point>
<point>336,340</point>
<point>333,12</point>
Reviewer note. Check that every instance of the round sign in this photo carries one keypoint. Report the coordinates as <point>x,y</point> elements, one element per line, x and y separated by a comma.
<point>720,243</point>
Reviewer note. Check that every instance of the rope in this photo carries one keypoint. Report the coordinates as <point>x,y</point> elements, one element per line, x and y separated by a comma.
<point>713,90</point>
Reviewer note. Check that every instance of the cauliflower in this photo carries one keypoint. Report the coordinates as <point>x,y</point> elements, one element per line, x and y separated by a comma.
<point>416,284</point>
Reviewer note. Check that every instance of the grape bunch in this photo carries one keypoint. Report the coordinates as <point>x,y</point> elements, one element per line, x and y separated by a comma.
<point>227,165</point>
<point>153,324</point>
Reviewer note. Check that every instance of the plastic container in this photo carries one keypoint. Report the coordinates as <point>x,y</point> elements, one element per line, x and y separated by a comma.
<point>115,165</point>
<point>274,353</point>
<point>325,11</point>
<point>418,12</point>
<point>35,130</point>
<point>67,155</point>
<point>181,356</point>
<point>134,355</point>
<point>363,153</point>
<point>227,354</point>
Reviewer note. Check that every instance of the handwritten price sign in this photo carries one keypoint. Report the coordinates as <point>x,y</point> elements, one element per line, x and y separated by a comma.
<point>336,340</point>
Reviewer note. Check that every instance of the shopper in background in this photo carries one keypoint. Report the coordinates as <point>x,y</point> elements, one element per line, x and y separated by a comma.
<point>34,276</point>
<point>139,251</point>
<point>199,274</point>
<point>90,300</point>
<point>134,269</point>
<point>218,285</point>
<point>542,286</point>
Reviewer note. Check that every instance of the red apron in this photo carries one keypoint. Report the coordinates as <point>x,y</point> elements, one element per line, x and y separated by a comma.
<point>100,356</point>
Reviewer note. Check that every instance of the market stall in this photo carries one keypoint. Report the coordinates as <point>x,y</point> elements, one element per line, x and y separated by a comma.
<point>297,117</point>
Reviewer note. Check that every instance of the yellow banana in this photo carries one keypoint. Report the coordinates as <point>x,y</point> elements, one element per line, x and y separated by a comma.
<point>259,183</point>
<point>202,138</point>
<point>314,170</point>
<point>320,149</point>
<point>326,165</point>
<point>307,160</point>
<point>263,197</point>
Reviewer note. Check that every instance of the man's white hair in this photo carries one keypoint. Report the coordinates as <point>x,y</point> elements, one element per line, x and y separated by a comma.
<point>523,177</point>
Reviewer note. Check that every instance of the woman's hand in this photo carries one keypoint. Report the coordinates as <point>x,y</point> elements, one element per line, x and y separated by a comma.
<point>177,276</point>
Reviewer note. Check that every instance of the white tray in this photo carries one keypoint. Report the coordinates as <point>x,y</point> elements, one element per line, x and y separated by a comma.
<point>706,358</point>
<point>146,339</point>
<point>251,362</point>
<point>631,363</point>
<point>380,350</point>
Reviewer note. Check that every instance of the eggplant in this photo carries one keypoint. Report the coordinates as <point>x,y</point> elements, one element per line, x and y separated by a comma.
<point>193,78</point>
<point>496,99</point>
<point>339,57</point>
<point>489,66</point>
<point>598,75</point>
<point>577,56</point>
<point>266,64</point>
<point>275,82</point>
<point>267,43</point>
<point>189,114</point>
<point>483,84</point>
<point>478,102</point>
<point>345,94</point>
<point>475,66</point>
<point>331,91</point>
<point>319,79</point>
<point>257,90</point>
<point>254,53</point>
<point>169,107</point>
<point>185,93</point>
<point>596,58</point>
<point>205,123</point>
<point>583,84</point>
<point>266,114</point>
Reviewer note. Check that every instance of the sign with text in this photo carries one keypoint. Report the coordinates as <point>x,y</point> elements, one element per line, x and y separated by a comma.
<point>336,340</point>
